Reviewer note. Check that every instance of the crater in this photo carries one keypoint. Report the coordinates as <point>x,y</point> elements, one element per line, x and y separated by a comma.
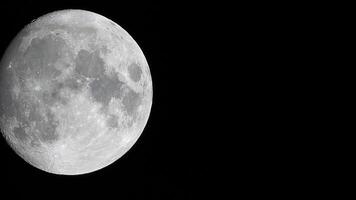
<point>35,142</point>
<point>20,134</point>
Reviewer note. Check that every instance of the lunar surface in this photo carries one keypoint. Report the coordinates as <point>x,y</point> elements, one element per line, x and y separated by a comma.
<point>75,92</point>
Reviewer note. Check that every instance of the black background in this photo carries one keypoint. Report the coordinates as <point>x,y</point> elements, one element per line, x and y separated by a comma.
<point>170,160</point>
<point>229,81</point>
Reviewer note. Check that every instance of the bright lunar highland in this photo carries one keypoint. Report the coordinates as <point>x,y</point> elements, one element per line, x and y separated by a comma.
<point>75,92</point>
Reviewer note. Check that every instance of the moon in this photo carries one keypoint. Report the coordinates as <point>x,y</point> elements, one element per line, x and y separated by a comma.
<point>76,92</point>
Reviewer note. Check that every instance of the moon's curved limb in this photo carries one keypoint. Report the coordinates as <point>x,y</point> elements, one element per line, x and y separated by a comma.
<point>98,109</point>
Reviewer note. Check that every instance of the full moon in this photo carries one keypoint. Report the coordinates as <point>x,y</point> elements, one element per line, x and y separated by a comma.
<point>75,92</point>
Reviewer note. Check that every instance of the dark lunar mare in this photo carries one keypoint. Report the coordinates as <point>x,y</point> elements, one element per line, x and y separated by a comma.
<point>113,121</point>
<point>135,71</point>
<point>104,87</point>
<point>47,128</point>
<point>89,64</point>
<point>45,123</point>
<point>131,101</point>
<point>8,106</point>
<point>40,56</point>
<point>20,133</point>
<point>75,82</point>
<point>36,63</point>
